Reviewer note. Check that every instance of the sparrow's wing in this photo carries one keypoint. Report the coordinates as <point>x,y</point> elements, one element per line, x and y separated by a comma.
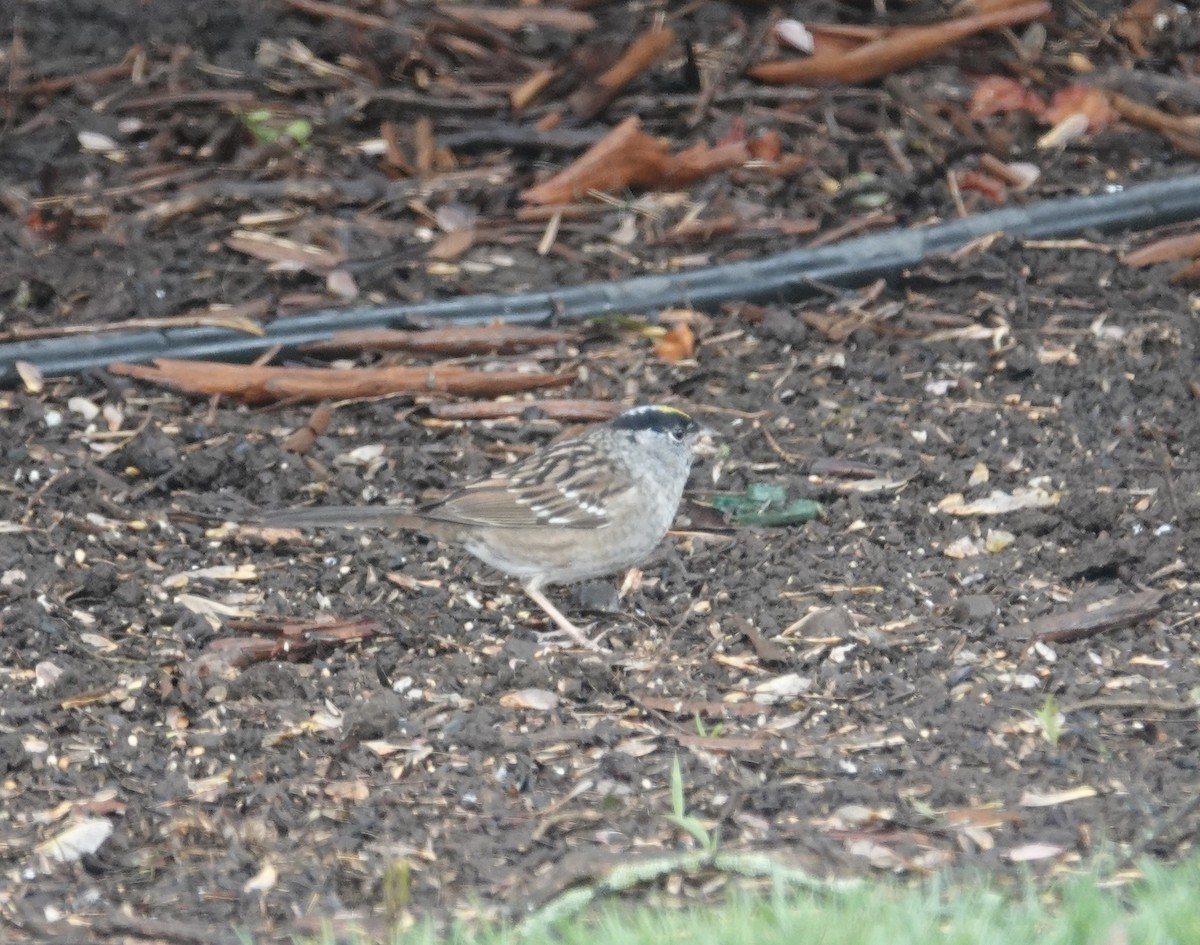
<point>570,485</point>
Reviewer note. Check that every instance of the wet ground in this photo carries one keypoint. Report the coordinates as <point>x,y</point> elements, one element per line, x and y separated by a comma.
<point>983,655</point>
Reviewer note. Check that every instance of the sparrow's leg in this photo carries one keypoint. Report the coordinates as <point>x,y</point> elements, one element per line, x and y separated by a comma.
<point>560,619</point>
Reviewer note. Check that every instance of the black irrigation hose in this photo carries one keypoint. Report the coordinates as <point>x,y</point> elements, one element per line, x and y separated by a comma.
<point>786,276</point>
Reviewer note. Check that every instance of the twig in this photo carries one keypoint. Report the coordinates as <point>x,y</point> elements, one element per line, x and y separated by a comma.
<point>1083,622</point>
<point>1130,702</point>
<point>765,649</point>
<point>91,77</point>
<point>868,221</point>
<point>195,97</point>
<point>238,318</point>
<point>730,65</point>
<point>336,11</point>
<point>641,55</point>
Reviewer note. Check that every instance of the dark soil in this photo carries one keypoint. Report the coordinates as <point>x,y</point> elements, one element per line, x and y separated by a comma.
<point>851,695</point>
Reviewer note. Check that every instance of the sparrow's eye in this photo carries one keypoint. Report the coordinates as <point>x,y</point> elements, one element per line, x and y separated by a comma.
<point>677,435</point>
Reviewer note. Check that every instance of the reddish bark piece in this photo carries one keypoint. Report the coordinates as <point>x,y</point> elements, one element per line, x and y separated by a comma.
<point>258,385</point>
<point>1156,119</point>
<point>998,95</point>
<point>624,157</point>
<point>700,161</point>
<point>1171,249</point>
<point>704,229</point>
<point>452,245</point>
<point>1189,273</point>
<point>1083,622</point>
<point>301,439</point>
<point>701,230</point>
<point>467,339</point>
<point>719,744</point>
<point>985,184</point>
<point>1137,23</point>
<point>838,39</point>
<point>518,17</point>
<point>1019,176</point>
<point>262,640</point>
<point>1184,144</point>
<point>767,146</point>
<point>641,54</point>
<point>901,47</point>
<point>424,145</point>
<point>93,77</point>
<point>628,157</point>
<point>528,91</point>
<point>336,11</point>
<point>1084,100</point>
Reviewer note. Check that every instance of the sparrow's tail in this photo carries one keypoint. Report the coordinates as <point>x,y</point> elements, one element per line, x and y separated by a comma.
<point>342,516</point>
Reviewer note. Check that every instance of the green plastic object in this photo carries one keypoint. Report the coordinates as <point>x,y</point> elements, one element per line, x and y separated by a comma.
<point>764,503</point>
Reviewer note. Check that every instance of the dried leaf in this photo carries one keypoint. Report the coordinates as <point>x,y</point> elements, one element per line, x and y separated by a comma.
<point>95,141</point>
<point>262,881</point>
<point>964,547</point>
<point>998,539</point>
<point>1000,502</point>
<point>1033,851</point>
<point>46,674</point>
<point>678,343</point>
<point>1054,798</point>
<point>205,606</point>
<point>540,700</point>
<point>356,791</point>
<point>781,688</point>
<point>84,407</point>
<point>793,33</point>
<point>216,572</point>
<point>637,747</point>
<point>341,285</point>
<point>78,840</point>
<point>452,245</point>
<point>284,253</point>
<point>1071,128</point>
<point>31,376</point>
<point>879,856</point>
<point>627,157</point>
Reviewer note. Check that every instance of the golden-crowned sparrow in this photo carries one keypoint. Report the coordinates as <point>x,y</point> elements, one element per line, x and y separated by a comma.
<point>579,508</point>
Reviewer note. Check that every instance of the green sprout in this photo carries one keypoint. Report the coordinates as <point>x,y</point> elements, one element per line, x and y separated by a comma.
<point>707,840</point>
<point>269,128</point>
<point>1049,717</point>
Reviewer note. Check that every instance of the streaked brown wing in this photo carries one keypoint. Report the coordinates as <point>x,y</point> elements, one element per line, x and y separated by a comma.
<point>567,487</point>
